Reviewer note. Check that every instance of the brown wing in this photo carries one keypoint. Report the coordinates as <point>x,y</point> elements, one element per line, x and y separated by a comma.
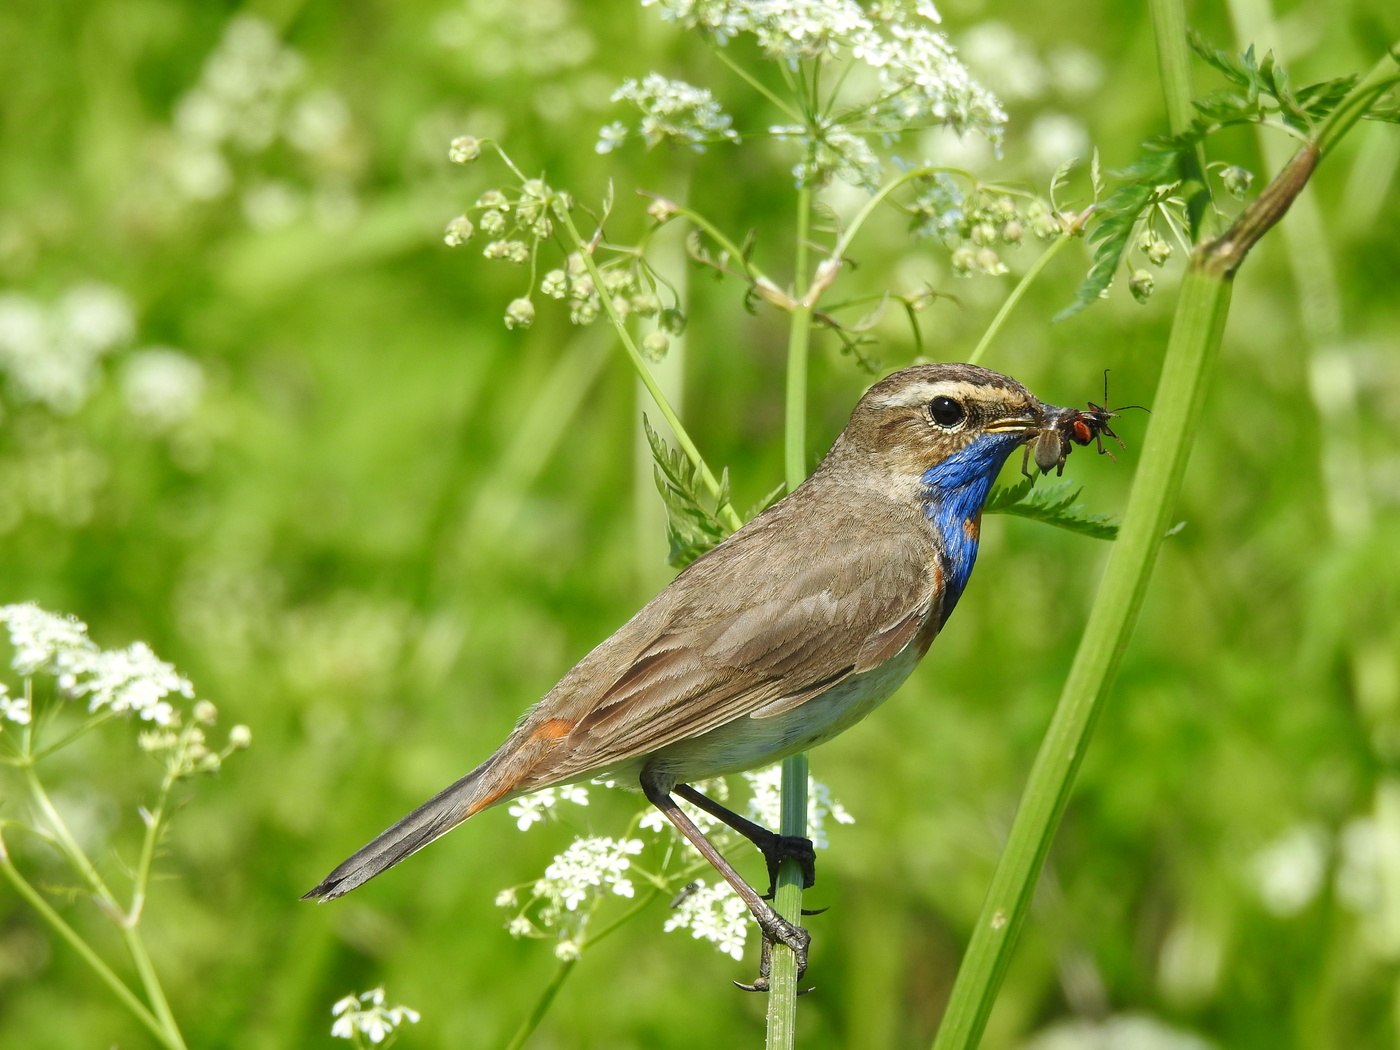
<point>774,616</point>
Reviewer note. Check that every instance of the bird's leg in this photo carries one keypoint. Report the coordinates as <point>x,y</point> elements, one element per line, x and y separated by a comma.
<point>775,929</point>
<point>774,847</point>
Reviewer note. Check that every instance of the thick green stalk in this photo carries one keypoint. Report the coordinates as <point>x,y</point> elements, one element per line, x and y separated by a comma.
<point>1195,339</point>
<point>782,999</point>
<point>1186,370</point>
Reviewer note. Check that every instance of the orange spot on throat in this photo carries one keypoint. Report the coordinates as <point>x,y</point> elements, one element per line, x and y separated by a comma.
<point>972,528</point>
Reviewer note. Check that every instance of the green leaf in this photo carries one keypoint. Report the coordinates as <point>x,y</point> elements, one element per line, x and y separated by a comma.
<point>1259,89</point>
<point>693,524</point>
<point>1056,505</point>
<point>1117,216</point>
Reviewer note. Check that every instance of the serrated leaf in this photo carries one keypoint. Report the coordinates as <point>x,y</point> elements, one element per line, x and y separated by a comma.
<point>692,524</point>
<point>1056,505</point>
<point>1116,217</point>
<point>1061,175</point>
<point>1161,164</point>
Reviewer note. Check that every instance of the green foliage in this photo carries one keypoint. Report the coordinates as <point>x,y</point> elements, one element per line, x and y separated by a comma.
<point>693,522</point>
<point>1056,505</point>
<point>1260,91</point>
<point>387,525</point>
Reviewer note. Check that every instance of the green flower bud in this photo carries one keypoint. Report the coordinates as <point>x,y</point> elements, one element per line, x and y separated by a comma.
<point>1141,285</point>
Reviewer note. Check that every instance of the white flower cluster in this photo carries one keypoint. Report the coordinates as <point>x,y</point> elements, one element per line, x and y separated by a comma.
<point>532,809</point>
<point>49,354</point>
<point>119,682</point>
<point>252,94</point>
<point>714,914</point>
<point>365,1014</point>
<point>914,79</point>
<point>124,681</point>
<point>673,111</point>
<point>576,881</point>
<point>790,29</point>
<point>765,806</point>
<point>588,867</point>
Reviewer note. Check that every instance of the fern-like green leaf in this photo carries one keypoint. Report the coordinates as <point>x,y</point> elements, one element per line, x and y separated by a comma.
<point>693,526</point>
<point>1259,89</point>
<point>1056,505</point>
<point>1117,215</point>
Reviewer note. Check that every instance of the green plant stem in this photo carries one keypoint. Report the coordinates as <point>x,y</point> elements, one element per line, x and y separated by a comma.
<point>1194,341</point>
<point>135,944</point>
<point>751,272</point>
<point>787,897</point>
<point>1174,71</point>
<point>542,1004</point>
<point>663,405</point>
<point>1027,279</point>
<point>1191,351</point>
<point>777,101</point>
<point>84,951</point>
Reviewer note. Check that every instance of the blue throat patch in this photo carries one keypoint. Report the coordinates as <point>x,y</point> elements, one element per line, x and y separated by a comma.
<point>953,494</point>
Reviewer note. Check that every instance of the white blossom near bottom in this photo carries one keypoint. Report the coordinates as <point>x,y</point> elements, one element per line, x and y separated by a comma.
<point>365,1014</point>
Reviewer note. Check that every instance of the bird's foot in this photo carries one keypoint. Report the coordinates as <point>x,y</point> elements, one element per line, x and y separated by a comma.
<point>777,930</point>
<point>789,847</point>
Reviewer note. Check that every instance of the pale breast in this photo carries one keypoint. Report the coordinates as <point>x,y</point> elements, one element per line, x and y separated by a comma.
<point>749,743</point>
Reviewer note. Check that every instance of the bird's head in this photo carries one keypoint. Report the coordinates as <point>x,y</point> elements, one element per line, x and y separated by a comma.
<point>943,426</point>
<point>935,436</point>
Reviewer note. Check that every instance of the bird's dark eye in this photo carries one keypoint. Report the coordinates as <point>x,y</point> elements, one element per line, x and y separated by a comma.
<point>946,412</point>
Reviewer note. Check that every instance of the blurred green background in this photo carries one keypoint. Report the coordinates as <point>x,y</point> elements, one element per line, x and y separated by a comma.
<point>297,451</point>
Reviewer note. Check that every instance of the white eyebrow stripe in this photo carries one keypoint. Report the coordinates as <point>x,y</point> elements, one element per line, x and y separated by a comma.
<point>923,393</point>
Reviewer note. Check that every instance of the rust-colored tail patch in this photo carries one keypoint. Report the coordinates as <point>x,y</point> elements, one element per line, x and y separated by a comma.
<point>554,729</point>
<point>487,800</point>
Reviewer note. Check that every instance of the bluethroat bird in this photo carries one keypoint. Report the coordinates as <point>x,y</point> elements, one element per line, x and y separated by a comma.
<point>790,631</point>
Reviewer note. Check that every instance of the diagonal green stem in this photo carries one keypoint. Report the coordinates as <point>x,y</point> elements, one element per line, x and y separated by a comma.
<point>1195,339</point>
<point>1027,279</point>
<point>542,1005</point>
<point>135,944</point>
<point>1187,366</point>
<point>83,950</point>
<point>658,396</point>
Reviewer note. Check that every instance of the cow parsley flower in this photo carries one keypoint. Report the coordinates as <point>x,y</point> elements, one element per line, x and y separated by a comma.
<point>671,110</point>
<point>712,913</point>
<point>366,1015</point>
<point>588,867</point>
<point>533,808</point>
<point>129,681</point>
<point>909,78</point>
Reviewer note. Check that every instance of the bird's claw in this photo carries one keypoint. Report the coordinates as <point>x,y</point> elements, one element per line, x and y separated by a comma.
<point>777,930</point>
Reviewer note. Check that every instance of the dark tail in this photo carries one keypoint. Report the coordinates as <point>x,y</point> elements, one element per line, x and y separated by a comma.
<point>436,817</point>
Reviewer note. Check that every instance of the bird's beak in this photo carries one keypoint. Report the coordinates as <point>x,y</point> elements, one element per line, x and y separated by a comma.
<point>1027,423</point>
